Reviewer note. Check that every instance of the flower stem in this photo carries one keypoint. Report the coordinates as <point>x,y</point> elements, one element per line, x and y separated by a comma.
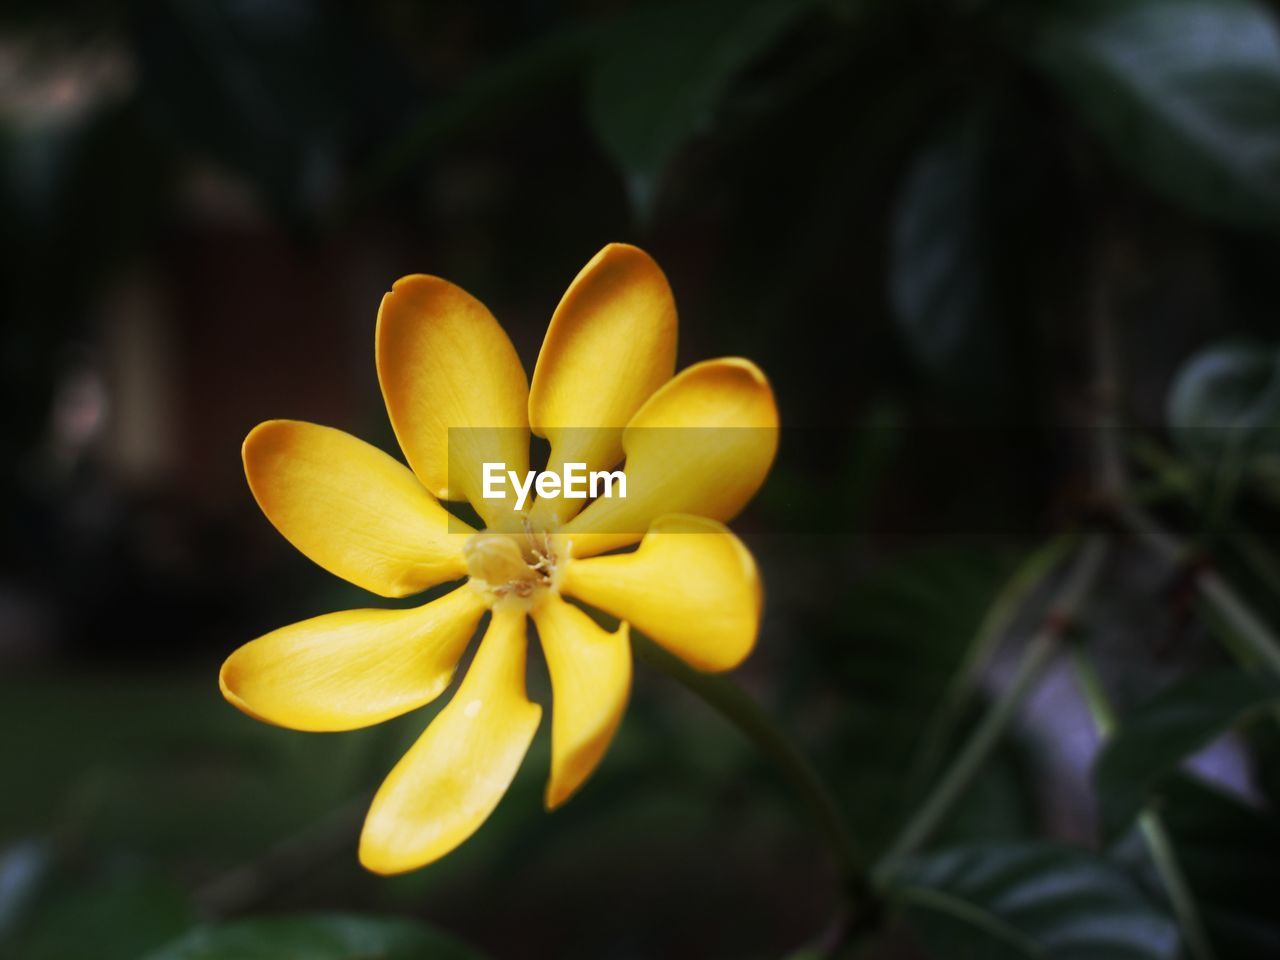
<point>1251,629</point>
<point>1159,845</point>
<point>1030,575</point>
<point>733,703</point>
<point>1036,656</point>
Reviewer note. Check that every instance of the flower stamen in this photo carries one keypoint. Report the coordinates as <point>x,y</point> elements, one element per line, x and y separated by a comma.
<point>519,566</point>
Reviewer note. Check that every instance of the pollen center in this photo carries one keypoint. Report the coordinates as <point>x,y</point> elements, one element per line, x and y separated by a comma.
<point>515,566</point>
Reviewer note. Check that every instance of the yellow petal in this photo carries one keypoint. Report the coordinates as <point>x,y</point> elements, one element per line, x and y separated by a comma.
<point>453,777</point>
<point>444,363</point>
<point>610,345</point>
<point>691,586</point>
<point>354,668</point>
<point>701,445</point>
<point>590,681</point>
<point>351,508</point>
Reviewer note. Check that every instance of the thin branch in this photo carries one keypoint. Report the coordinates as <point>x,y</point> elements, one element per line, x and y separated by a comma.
<point>1004,610</point>
<point>1036,656</point>
<point>727,698</point>
<point>1257,637</point>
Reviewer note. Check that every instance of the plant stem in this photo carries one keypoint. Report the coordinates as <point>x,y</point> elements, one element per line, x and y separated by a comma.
<point>1112,478</point>
<point>1252,630</point>
<point>732,702</point>
<point>1184,906</point>
<point>1037,654</point>
<point>1159,846</point>
<point>1030,574</point>
<point>1260,560</point>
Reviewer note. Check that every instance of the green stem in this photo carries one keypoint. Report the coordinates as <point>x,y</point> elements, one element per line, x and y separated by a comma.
<point>1159,845</point>
<point>1036,656</point>
<point>1184,907</point>
<point>728,699</point>
<point>1252,630</point>
<point>1004,609</point>
<point>1259,559</point>
<point>1224,485</point>
<point>1095,697</point>
<point>1112,478</point>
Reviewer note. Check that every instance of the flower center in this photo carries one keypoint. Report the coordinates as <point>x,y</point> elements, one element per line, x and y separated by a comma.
<point>511,566</point>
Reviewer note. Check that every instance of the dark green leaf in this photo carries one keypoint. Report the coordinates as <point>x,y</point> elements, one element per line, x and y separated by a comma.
<point>1185,94</point>
<point>1159,735</point>
<point>1227,398</point>
<point>318,937</point>
<point>663,71</point>
<point>906,634</point>
<point>998,901</point>
<point>1230,853</point>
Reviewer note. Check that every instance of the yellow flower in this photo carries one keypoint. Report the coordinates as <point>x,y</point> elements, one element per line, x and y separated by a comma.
<point>444,362</point>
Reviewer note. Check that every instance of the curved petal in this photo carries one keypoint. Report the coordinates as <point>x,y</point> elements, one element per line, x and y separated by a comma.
<point>610,345</point>
<point>445,364</point>
<point>351,508</point>
<point>451,779</point>
<point>691,586</point>
<point>354,668</point>
<point>701,445</point>
<point>590,681</point>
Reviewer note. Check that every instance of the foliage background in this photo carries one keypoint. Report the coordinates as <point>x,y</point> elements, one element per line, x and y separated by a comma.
<point>986,250</point>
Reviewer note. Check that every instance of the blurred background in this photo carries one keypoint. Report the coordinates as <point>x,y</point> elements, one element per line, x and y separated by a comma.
<point>1013,269</point>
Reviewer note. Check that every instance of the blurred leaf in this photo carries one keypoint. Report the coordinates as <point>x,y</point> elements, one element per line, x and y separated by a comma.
<point>1226,399</point>
<point>1006,605</point>
<point>904,636</point>
<point>998,901</point>
<point>1154,739</point>
<point>118,916</point>
<point>1184,93</point>
<point>317,937</point>
<point>924,607</point>
<point>24,867</point>
<point>487,93</point>
<point>1264,746</point>
<point>1230,854</point>
<point>268,89</point>
<point>939,277</point>
<point>663,70</point>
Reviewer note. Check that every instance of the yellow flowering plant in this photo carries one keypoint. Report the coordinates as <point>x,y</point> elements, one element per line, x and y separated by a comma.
<point>603,393</point>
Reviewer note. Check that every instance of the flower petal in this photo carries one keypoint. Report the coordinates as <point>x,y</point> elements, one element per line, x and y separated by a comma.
<point>444,363</point>
<point>451,779</point>
<point>692,586</point>
<point>590,681</point>
<point>351,508</point>
<point>701,445</point>
<point>354,668</point>
<point>610,345</point>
